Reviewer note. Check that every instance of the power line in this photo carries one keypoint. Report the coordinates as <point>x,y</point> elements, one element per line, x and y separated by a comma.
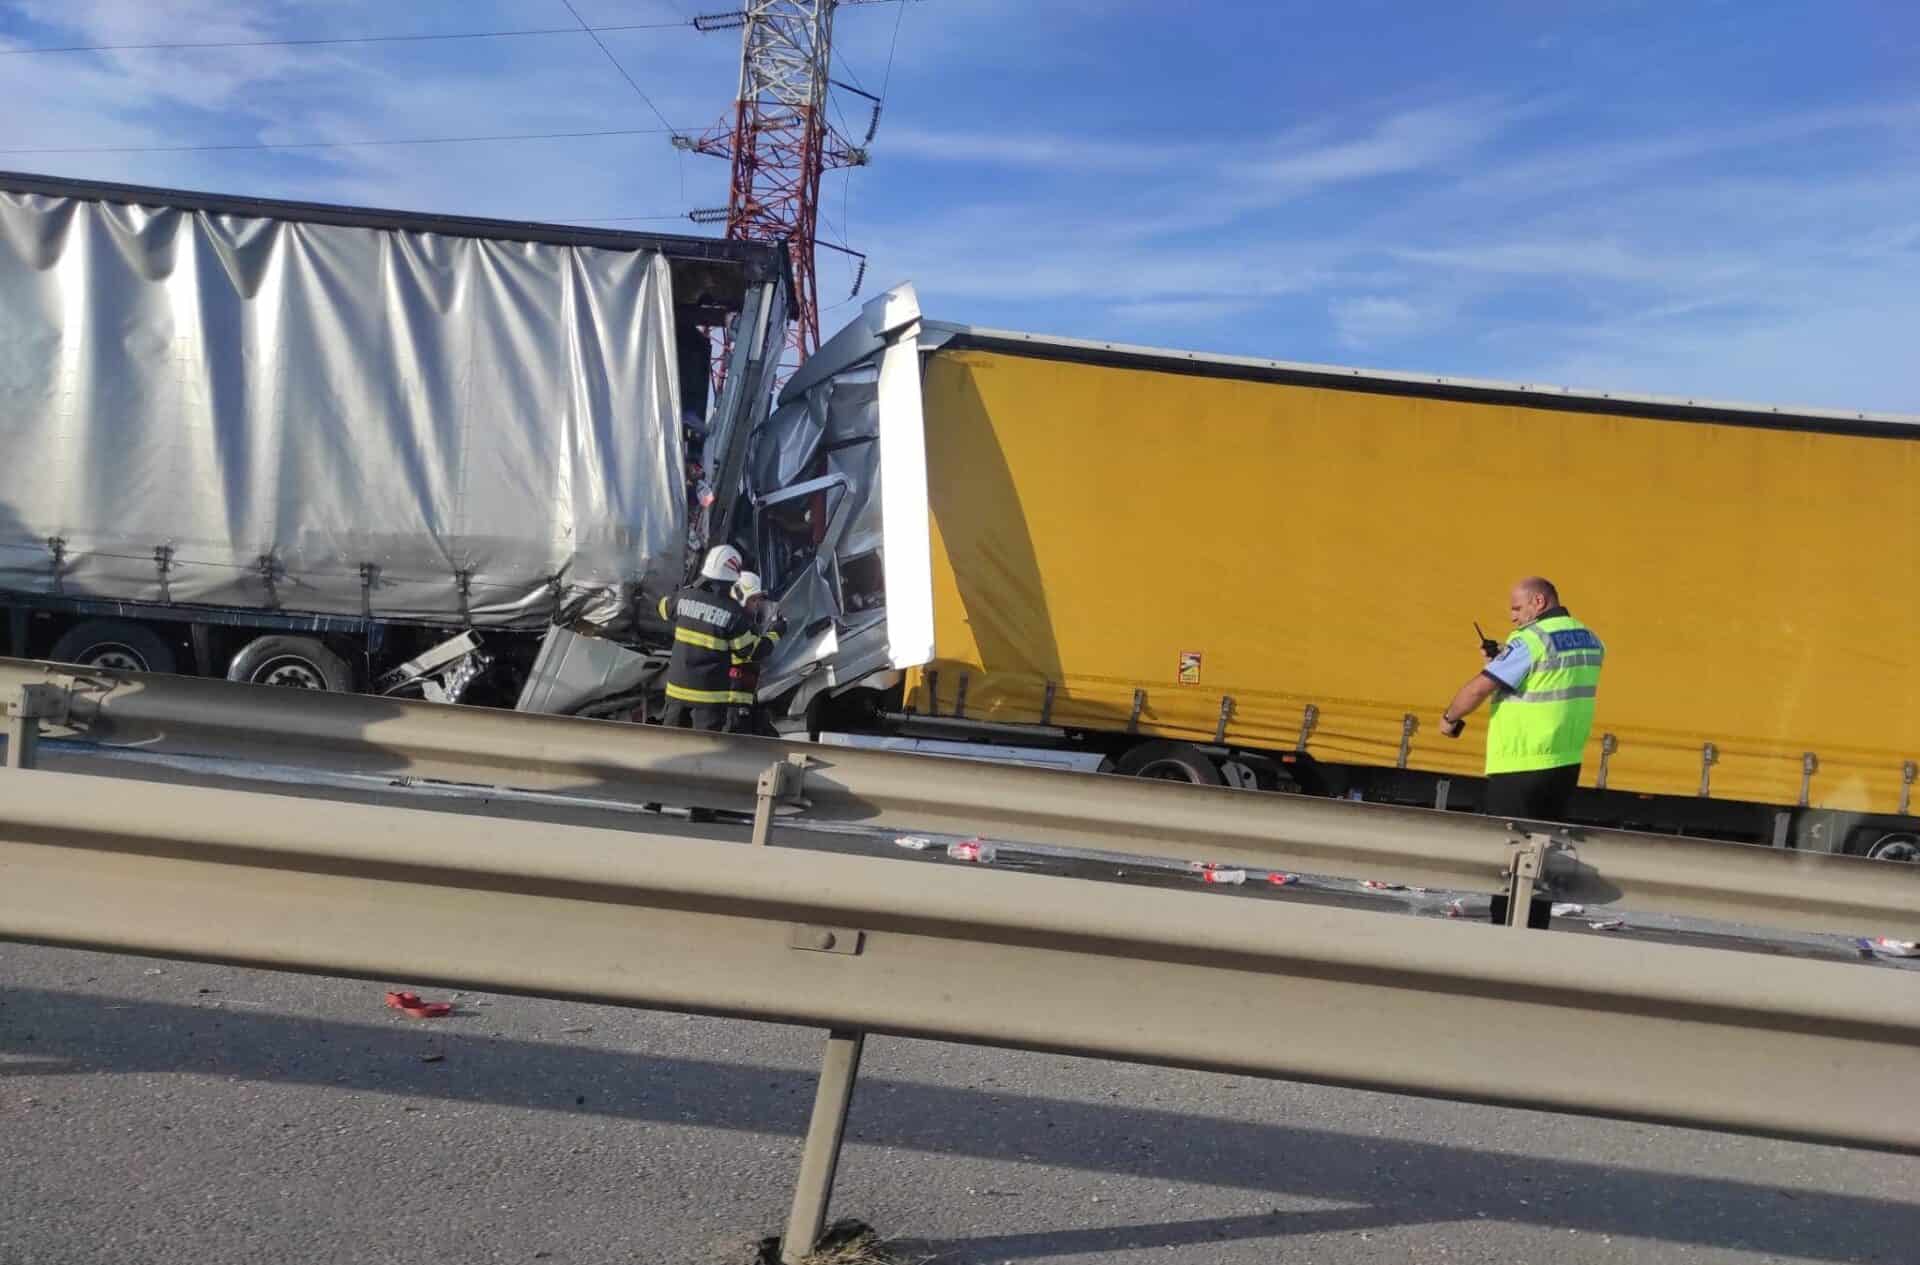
<point>899,16</point>
<point>846,69</point>
<point>415,140</point>
<point>353,39</point>
<point>610,219</point>
<point>879,102</point>
<point>616,63</point>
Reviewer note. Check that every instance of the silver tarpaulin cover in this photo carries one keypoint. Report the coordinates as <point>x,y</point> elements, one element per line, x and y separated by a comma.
<point>241,411</point>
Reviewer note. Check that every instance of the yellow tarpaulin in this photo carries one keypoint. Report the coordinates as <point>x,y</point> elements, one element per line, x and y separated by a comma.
<point>1108,529</point>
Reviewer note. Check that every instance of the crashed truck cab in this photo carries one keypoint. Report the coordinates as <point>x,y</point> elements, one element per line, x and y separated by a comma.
<point>836,490</point>
<point>827,497</point>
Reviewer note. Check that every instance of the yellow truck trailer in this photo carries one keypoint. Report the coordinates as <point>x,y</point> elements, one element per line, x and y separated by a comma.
<point>1221,569</point>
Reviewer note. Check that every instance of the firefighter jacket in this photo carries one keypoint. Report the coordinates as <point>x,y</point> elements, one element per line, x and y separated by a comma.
<point>710,630</point>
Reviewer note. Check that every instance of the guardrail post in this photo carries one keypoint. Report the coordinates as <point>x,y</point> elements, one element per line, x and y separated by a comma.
<point>1526,870</point>
<point>821,1159</point>
<point>778,784</point>
<point>25,710</point>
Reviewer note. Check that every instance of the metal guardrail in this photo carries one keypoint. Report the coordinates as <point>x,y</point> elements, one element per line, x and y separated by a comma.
<point>355,733</point>
<point>1820,1051</point>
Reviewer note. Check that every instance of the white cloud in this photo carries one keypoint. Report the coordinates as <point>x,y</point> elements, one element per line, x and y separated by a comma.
<point>305,94</point>
<point>1209,176</point>
<point>1181,311</point>
<point>1055,152</point>
<point>1786,359</point>
<point>1366,320</point>
<point>1606,260</point>
<point>1652,263</point>
<point>145,79</point>
<point>1413,140</point>
<point>1597,165</point>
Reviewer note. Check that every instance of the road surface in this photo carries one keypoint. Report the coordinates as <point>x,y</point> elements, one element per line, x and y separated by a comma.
<point>172,1112</point>
<point>169,1112</point>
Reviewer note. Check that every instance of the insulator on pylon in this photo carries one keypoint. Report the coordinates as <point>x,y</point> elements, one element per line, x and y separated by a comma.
<point>859,275</point>
<point>873,124</point>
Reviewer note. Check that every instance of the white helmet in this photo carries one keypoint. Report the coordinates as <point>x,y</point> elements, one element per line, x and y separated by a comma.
<point>747,587</point>
<point>723,563</point>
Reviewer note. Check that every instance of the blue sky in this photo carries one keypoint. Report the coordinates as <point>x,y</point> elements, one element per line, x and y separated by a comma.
<point>1714,199</point>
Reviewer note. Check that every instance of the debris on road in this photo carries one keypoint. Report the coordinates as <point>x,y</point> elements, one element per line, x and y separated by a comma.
<point>1609,924</point>
<point>410,1005</point>
<point>433,1058</point>
<point>1883,946</point>
<point>976,850</point>
<point>1566,909</point>
<point>914,843</point>
<point>1215,874</point>
<point>846,1242</point>
<point>1282,880</point>
<point>1380,885</point>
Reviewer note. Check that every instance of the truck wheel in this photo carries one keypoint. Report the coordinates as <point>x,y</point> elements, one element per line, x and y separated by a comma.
<point>116,644</point>
<point>299,663</point>
<point>1250,772</point>
<point>1169,762</point>
<point>1896,848</point>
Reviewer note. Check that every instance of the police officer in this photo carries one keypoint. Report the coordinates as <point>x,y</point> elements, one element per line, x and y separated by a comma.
<point>745,717</point>
<point>709,629</point>
<point>1542,683</point>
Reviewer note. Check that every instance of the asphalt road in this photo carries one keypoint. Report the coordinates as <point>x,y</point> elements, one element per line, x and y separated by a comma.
<point>167,1112</point>
<point>170,1112</point>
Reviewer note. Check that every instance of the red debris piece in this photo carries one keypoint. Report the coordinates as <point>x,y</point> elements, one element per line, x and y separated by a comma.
<point>1282,880</point>
<point>410,1005</point>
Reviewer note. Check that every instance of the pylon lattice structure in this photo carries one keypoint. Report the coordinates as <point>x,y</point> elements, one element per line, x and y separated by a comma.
<point>780,141</point>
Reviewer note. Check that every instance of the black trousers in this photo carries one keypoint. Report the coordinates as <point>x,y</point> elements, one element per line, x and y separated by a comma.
<point>1542,795</point>
<point>710,717</point>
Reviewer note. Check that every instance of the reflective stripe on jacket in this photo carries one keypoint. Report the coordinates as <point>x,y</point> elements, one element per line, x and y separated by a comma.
<point>709,629</point>
<point>1544,723</point>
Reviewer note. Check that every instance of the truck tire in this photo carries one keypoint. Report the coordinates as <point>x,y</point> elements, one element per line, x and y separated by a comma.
<point>299,663</point>
<point>1896,847</point>
<point>1169,762</point>
<point>114,643</point>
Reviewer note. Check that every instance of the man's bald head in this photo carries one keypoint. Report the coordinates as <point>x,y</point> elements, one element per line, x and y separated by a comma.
<point>1531,598</point>
<point>1541,587</point>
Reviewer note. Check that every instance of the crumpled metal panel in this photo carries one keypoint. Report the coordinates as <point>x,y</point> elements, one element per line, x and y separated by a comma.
<point>269,413</point>
<point>856,399</point>
<point>853,409</point>
<point>852,428</point>
<point>571,670</point>
<point>785,446</point>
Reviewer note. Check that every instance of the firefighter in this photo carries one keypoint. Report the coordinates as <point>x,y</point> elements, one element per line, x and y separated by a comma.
<point>710,628</point>
<point>745,717</point>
